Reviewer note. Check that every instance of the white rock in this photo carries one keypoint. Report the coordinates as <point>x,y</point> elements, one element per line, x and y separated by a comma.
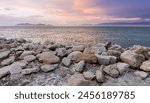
<point>47,68</point>
<point>4,71</point>
<point>106,59</point>
<point>29,58</point>
<point>8,61</point>
<point>4,54</point>
<point>66,62</point>
<point>122,67</point>
<point>88,75</point>
<point>80,66</point>
<point>141,74</point>
<point>30,70</point>
<point>145,66</point>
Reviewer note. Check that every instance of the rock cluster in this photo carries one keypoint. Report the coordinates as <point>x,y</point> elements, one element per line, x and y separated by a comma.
<point>79,65</point>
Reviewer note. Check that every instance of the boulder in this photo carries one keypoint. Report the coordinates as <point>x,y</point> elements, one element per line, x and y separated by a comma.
<point>132,58</point>
<point>112,70</point>
<point>78,48</point>
<point>106,60</point>
<point>80,66</point>
<point>141,74</point>
<point>47,68</point>
<point>78,56</point>
<point>4,54</point>
<point>145,66</point>
<point>78,80</point>
<point>88,75</point>
<point>122,67</point>
<point>30,70</point>
<point>8,61</point>
<point>100,75</point>
<point>66,61</point>
<point>4,71</point>
<point>48,58</point>
<point>29,58</point>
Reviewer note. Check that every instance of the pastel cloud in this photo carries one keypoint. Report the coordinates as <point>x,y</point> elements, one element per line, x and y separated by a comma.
<point>73,12</point>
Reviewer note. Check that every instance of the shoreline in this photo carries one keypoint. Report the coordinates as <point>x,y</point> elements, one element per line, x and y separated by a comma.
<point>27,63</point>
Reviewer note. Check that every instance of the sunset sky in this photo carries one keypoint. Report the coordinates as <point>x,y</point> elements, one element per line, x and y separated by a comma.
<point>73,12</point>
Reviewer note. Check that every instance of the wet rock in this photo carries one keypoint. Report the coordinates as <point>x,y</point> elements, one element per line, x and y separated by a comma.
<point>100,75</point>
<point>66,62</point>
<point>106,60</point>
<point>47,68</point>
<point>4,71</point>
<point>30,70</point>
<point>8,61</point>
<point>132,58</point>
<point>78,80</point>
<point>4,54</point>
<point>145,66</point>
<point>78,48</point>
<point>88,75</point>
<point>80,66</point>
<point>112,70</point>
<point>48,58</point>
<point>78,56</point>
<point>122,67</point>
<point>61,52</point>
<point>141,74</point>
<point>29,58</point>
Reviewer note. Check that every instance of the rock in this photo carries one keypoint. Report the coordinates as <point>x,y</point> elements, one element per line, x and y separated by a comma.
<point>30,70</point>
<point>47,68</point>
<point>22,63</point>
<point>80,66</point>
<point>4,71</point>
<point>78,48</point>
<point>78,56</point>
<point>54,46</point>
<point>66,62</point>
<point>8,61</point>
<point>106,60</point>
<point>4,54</point>
<point>116,48</point>
<point>48,58</point>
<point>145,66</point>
<point>78,80</point>
<point>29,58</point>
<point>132,58</point>
<point>104,54</point>
<point>24,82</point>
<point>88,75</point>
<point>95,50</point>
<point>15,69</point>
<point>111,70</point>
<point>100,75</point>
<point>108,45</point>
<point>61,52</point>
<point>114,53</point>
<point>26,53</point>
<point>122,67</point>
<point>141,74</point>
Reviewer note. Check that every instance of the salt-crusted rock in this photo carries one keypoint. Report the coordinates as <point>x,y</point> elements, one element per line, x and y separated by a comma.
<point>29,58</point>
<point>80,66</point>
<point>48,58</point>
<point>132,58</point>
<point>106,59</point>
<point>8,61</point>
<point>66,61</point>
<point>145,66</point>
<point>78,56</point>
<point>100,75</point>
<point>4,71</point>
<point>47,68</point>
<point>122,67</point>
<point>88,75</point>
<point>4,54</point>
<point>141,74</point>
<point>78,48</point>
<point>78,80</point>
<point>61,52</point>
<point>30,70</point>
<point>112,70</point>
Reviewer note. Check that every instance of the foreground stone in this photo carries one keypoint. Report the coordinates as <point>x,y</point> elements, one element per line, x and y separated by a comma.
<point>80,66</point>
<point>4,71</point>
<point>145,66</point>
<point>132,58</point>
<point>48,58</point>
<point>30,71</point>
<point>122,68</point>
<point>78,48</point>
<point>8,61</point>
<point>106,60</point>
<point>78,80</point>
<point>66,62</point>
<point>89,75</point>
<point>29,58</point>
<point>4,54</point>
<point>141,74</point>
<point>47,68</point>
<point>100,75</point>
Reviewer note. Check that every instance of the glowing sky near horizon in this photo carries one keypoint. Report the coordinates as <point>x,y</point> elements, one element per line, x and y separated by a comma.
<point>73,12</point>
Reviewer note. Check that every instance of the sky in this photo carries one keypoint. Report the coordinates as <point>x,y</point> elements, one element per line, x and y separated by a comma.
<point>73,12</point>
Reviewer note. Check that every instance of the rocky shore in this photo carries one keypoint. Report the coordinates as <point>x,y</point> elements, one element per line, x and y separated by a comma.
<point>27,63</point>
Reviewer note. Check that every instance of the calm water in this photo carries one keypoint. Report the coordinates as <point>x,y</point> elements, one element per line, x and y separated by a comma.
<point>125,36</point>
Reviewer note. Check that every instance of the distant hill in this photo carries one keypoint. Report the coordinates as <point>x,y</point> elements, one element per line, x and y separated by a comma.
<point>29,24</point>
<point>125,23</point>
